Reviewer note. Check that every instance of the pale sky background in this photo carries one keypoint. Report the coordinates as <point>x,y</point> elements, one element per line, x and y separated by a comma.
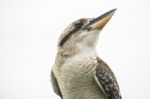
<point>29,30</point>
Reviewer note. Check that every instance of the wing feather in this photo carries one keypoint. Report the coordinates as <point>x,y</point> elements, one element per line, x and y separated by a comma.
<point>55,85</point>
<point>106,80</point>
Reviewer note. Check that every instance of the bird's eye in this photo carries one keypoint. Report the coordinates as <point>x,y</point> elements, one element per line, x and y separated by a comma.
<point>78,25</point>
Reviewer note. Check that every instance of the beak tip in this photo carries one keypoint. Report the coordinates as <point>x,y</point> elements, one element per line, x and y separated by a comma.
<point>113,10</point>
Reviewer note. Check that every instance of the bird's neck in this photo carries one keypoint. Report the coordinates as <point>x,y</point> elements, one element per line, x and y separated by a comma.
<point>86,54</point>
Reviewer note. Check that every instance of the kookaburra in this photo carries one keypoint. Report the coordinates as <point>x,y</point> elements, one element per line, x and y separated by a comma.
<point>78,73</point>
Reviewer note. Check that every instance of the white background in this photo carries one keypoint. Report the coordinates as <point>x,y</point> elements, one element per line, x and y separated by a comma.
<point>29,30</point>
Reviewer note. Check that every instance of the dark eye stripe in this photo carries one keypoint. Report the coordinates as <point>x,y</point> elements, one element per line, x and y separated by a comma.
<point>77,27</point>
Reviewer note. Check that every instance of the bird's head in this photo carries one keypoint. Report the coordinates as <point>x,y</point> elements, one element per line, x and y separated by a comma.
<point>82,34</point>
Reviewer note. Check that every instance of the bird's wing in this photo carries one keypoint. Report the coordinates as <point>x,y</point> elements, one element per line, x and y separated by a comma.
<point>55,85</point>
<point>106,80</point>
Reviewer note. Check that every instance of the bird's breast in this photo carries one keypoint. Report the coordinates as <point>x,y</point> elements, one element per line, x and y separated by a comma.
<point>77,68</point>
<point>76,79</point>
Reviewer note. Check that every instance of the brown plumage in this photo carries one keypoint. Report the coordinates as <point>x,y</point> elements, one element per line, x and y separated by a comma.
<point>107,79</point>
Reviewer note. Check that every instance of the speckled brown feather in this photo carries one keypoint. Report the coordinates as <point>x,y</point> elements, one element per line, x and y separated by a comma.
<point>105,77</point>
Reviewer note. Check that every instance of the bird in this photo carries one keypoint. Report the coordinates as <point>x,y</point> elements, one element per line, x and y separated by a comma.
<point>78,72</point>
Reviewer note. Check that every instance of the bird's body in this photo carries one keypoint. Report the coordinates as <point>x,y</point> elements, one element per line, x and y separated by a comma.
<point>78,73</point>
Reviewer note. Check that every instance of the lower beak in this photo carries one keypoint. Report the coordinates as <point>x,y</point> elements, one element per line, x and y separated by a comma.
<point>101,21</point>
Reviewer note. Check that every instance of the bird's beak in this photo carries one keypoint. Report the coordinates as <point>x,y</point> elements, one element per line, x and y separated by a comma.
<point>99,22</point>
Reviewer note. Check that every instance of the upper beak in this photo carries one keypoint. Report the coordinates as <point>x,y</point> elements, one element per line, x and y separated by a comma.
<point>100,22</point>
